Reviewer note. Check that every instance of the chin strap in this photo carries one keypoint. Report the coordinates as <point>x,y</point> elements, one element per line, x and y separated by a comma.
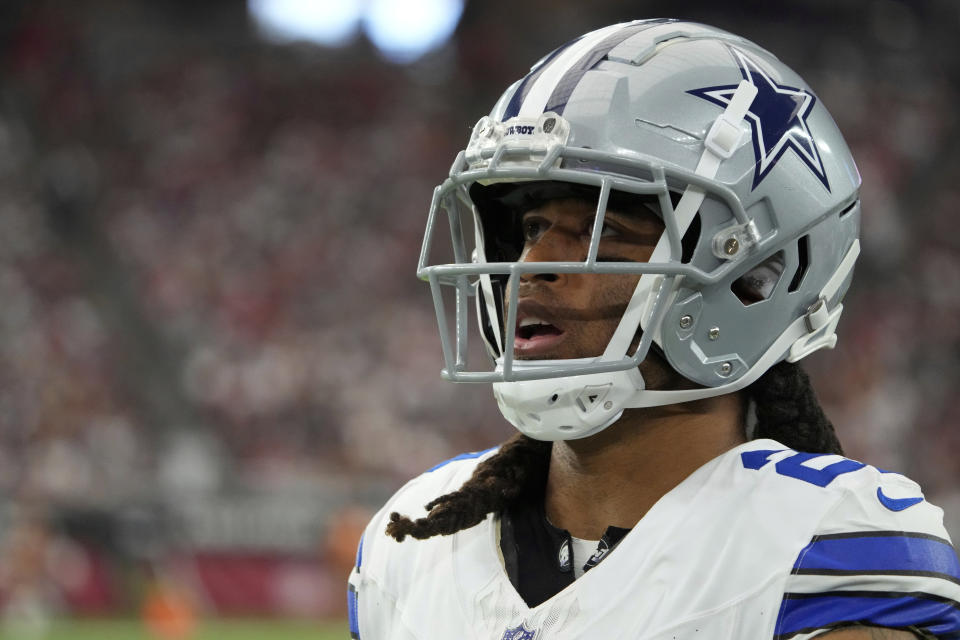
<point>720,143</point>
<point>486,295</point>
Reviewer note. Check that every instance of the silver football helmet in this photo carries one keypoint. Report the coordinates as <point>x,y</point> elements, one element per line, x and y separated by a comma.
<point>743,163</point>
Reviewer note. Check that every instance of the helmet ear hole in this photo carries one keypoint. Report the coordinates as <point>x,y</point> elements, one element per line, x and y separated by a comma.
<point>759,283</point>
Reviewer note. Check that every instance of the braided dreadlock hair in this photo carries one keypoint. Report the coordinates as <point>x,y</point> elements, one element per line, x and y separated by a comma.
<point>786,409</point>
<point>516,473</point>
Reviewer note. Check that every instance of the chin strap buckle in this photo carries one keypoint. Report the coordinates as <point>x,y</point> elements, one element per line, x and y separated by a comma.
<point>725,135</point>
<point>821,323</point>
<point>817,316</point>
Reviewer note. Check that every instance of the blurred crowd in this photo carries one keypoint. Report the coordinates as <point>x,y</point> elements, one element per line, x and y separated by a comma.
<point>208,246</point>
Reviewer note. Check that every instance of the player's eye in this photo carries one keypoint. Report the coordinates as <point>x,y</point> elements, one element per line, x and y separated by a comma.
<point>608,232</point>
<point>532,228</point>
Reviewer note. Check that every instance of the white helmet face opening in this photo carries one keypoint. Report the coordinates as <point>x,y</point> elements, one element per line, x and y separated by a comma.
<point>752,182</point>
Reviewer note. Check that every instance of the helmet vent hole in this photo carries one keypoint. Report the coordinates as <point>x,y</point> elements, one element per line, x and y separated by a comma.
<point>553,399</point>
<point>850,208</point>
<point>803,257</point>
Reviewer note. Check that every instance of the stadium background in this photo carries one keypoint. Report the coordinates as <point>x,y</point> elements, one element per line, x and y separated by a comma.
<point>216,359</point>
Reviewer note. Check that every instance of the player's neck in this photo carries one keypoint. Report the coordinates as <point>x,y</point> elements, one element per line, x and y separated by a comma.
<point>614,477</point>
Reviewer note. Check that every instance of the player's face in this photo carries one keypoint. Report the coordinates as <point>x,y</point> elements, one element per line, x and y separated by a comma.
<point>574,315</point>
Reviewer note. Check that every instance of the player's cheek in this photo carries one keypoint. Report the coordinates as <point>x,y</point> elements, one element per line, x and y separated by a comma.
<point>615,290</point>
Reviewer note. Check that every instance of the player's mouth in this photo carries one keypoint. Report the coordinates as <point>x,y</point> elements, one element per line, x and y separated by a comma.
<point>535,336</point>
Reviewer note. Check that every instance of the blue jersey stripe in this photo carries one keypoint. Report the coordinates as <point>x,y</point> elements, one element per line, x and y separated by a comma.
<point>802,613</point>
<point>894,552</point>
<point>516,100</point>
<point>462,456</point>
<point>352,612</point>
<point>561,93</point>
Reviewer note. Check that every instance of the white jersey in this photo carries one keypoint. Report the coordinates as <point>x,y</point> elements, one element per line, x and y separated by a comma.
<point>760,543</point>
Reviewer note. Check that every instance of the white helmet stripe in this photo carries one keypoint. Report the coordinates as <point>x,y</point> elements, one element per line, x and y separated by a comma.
<point>561,94</point>
<point>522,87</point>
<point>544,86</point>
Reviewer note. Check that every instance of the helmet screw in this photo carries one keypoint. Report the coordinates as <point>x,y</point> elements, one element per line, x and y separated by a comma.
<point>686,322</point>
<point>714,333</point>
<point>731,246</point>
<point>608,405</point>
<point>726,368</point>
<point>549,124</point>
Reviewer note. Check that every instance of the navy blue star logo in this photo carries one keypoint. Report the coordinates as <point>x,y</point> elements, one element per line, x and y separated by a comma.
<point>778,117</point>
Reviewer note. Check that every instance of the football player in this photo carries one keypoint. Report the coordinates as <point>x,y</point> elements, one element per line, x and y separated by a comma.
<point>657,223</point>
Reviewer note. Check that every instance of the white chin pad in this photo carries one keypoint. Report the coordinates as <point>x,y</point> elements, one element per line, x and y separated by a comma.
<point>566,408</point>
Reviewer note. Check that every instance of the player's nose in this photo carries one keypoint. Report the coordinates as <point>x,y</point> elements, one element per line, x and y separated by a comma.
<point>556,244</point>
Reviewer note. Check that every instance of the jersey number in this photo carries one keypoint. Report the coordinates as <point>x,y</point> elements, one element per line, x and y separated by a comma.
<point>793,467</point>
